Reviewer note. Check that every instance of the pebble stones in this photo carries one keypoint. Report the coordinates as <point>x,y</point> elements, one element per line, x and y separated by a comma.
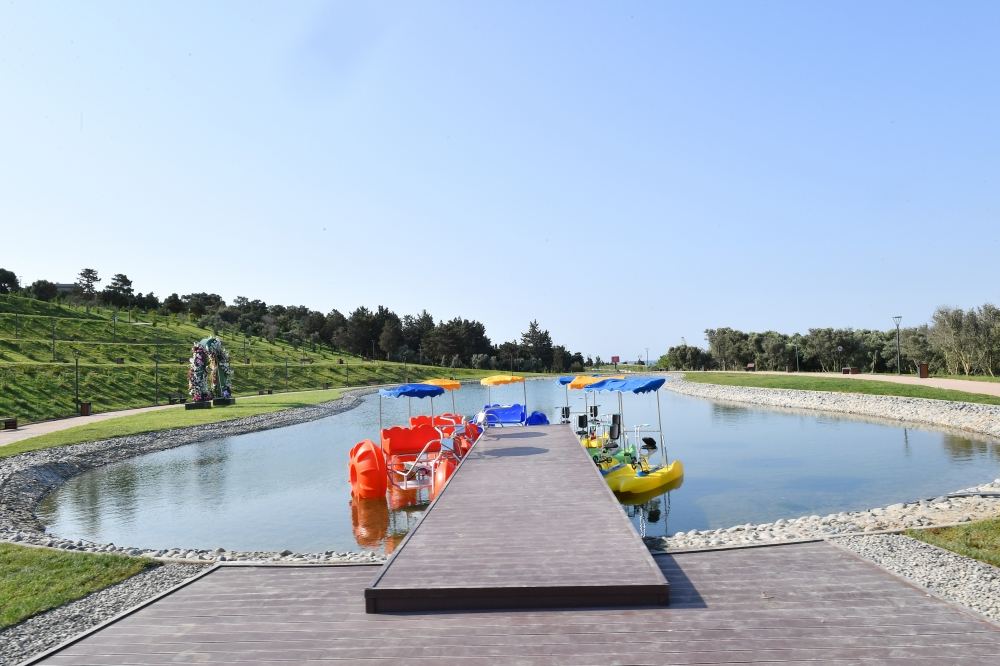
<point>960,579</point>
<point>963,416</point>
<point>47,630</point>
<point>922,513</point>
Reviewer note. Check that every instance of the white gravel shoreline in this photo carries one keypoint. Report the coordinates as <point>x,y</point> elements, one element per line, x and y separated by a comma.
<point>951,576</point>
<point>942,414</point>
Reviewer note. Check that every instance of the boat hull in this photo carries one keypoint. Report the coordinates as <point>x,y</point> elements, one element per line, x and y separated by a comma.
<point>644,482</point>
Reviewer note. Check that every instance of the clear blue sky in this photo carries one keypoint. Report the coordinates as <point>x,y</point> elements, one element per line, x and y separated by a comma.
<point>628,173</point>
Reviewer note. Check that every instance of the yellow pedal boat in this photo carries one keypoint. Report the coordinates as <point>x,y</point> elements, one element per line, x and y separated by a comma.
<point>614,471</point>
<point>641,478</point>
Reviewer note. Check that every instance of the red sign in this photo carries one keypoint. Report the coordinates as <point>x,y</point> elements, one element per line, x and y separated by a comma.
<point>616,359</point>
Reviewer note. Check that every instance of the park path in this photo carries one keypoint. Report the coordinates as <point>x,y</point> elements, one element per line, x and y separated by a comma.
<point>45,427</point>
<point>966,385</point>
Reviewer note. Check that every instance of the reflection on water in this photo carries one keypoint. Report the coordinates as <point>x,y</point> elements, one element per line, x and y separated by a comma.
<point>288,488</point>
<point>381,523</point>
<point>966,450</point>
<point>649,510</point>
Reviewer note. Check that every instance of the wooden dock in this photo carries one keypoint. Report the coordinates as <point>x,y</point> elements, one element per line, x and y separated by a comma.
<point>802,604</point>
<point>526,522</point>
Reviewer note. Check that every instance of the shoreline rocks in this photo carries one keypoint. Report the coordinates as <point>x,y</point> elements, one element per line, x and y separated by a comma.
<point>960,579</point>
<point>974,504</point>
<point>967,417</point>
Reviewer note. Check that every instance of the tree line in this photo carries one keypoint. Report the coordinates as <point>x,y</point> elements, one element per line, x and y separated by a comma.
<point>371,333</point>
<point>955,341</point>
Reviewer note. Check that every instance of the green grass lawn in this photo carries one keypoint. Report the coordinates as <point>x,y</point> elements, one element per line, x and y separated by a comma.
<point>173,417</point>
<point>806,383</point>
<point>33,580</point>
<point>979,540</point>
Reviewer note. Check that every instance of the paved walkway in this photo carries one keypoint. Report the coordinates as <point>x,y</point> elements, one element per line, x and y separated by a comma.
<point>804,604</point>
<point>45,427</point>
<point>967,385</point>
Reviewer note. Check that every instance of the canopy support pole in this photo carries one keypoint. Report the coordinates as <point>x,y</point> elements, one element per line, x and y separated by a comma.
<point>453,410</point>
<point>380,421</point>
<point>621,415</point>
<point>659,422</point>
<point>524,385</point>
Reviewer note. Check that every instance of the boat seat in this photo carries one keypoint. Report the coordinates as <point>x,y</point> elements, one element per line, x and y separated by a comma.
<point>614,432</point>
<point>649,443</point>
<point>408,441</point>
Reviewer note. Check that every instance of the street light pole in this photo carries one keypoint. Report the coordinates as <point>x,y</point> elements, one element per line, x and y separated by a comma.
<point>899,369</point>
<point>76,354</point>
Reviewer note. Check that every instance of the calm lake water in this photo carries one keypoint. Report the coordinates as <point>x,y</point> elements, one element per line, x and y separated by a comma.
<point>288,488</point>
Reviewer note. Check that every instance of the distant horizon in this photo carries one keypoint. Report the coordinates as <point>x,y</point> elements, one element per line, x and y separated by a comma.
<point>626,175</point>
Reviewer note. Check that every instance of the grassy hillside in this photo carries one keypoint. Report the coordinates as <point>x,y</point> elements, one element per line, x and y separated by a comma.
<point>143,357</point>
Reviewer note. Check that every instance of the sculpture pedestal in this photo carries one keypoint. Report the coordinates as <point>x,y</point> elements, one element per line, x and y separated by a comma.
<point>204,404</point>
<point>222,402</point>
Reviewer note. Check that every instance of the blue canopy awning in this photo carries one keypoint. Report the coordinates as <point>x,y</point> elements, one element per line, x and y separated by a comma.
<point>567,379</point>
<point>634,385</point>
<point>412,391</point>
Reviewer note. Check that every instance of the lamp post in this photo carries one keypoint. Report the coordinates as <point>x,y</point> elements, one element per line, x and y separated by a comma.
<point>796,349</point>
<point>76,383</point>
<point>114,328</point>
<point>897,319</point>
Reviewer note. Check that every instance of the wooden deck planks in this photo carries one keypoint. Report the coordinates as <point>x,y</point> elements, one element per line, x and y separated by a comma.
<point>526,522</point>
<point>271,615</point>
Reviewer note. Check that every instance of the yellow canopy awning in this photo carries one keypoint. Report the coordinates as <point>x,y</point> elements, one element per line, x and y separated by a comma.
<point>499,380</point>
<point>446,384</point>
<point>583,381</point>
